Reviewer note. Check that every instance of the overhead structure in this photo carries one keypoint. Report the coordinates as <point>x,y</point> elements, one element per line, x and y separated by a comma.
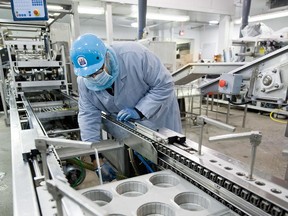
<point>223,7</point>
<point>142,10</point>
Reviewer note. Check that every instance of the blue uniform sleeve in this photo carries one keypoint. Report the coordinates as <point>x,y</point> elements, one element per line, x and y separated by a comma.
<point>161,86</point>
<point>89,116</point>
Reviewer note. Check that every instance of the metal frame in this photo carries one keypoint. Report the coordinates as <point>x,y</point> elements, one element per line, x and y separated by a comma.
<point>193,71</point>
<point>217,174</point>
<point>252,70</point>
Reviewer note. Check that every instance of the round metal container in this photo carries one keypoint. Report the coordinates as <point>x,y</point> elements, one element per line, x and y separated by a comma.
<point>155,208</point>
<point>163,180</point>
<point>132,189</point>
<point>101,197</point>
<point>192,201</point>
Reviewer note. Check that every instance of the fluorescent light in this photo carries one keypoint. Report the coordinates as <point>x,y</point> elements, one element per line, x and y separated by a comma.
<point>159,16</point>
<point>54,7</point>
<point>213,22</point>
<point>266,16</point>
<point>181,33</point>
<point>134,24</point>
<point>166,17</point>
<point>91,10</point>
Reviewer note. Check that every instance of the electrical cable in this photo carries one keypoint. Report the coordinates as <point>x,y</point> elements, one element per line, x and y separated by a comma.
<point>149,169</point>
<point>247,102</point>
<point>80,179</point>
<point>276,120</point>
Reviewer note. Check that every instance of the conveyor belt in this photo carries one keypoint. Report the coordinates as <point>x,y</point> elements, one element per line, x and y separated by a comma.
<point>240,197</point>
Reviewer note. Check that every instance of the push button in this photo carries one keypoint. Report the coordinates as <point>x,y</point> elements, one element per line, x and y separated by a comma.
<point>36,12</point>
<point>222,83</point>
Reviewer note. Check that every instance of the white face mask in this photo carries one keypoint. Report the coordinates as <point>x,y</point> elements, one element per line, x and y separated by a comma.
<point>101,79</point>
<point>96,84</point>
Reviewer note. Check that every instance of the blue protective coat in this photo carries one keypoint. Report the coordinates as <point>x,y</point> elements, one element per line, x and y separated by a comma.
<point>143,82</point>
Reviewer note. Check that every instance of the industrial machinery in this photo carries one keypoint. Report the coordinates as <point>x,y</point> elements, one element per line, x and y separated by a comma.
<point>264,79</point>
<point>40,186</point>
<point>188,178</point>
<point>32,61</point>
<point>194,71</point>
<point>232,187</point>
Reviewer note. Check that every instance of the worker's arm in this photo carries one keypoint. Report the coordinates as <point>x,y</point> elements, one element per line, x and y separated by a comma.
<point>161,85</point>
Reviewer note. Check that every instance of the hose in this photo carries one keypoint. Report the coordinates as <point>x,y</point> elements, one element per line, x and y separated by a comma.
<point>82,176</point>
<point>276,120</point>
<point>150,170</point>
<point>85,165</point>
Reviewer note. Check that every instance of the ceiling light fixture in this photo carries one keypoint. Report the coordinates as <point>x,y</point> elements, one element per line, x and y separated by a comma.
<point>166,17</point>
<point>91,10</point>
<point>163,17</point>
<point>54,7</point>
<point>213,22</point>
<point>134,24</point>
<point>181,33</point>
<point>266,16</point>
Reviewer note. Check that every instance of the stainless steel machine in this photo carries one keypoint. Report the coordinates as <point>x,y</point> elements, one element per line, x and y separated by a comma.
<point>187,178</point>
<point>234,188</point>
<point>264,79</point>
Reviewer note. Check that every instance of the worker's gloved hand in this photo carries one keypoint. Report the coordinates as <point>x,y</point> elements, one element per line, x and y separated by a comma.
<point>108,173</point>
<point>127,113</point>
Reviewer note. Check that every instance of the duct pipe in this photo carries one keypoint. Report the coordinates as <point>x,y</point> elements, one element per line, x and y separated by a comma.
<point>245,14</point>
<point>142,10</point>
<point>109,23</point>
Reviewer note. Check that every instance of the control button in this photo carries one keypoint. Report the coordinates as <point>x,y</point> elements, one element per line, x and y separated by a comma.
<point>36,12</point>
<point>222,83</point>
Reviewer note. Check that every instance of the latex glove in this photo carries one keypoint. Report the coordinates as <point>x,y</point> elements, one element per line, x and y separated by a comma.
<point>108,173</point>
<point>127,113</point>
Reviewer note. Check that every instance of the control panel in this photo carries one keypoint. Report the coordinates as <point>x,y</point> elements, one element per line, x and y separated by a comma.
<point>24,10</point>
<point>230,84</point>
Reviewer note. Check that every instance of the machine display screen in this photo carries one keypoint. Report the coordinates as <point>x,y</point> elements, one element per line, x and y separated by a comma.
<point>24,10</point>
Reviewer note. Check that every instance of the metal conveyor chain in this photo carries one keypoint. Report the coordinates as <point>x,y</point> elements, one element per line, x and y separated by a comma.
<point>247,196</point>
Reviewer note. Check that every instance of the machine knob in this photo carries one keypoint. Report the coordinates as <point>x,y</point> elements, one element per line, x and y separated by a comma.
<point>36,12</point>
<point>222,83</point>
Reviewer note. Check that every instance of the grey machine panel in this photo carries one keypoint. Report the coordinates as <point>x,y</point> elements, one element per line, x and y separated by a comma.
<point>268,77</point>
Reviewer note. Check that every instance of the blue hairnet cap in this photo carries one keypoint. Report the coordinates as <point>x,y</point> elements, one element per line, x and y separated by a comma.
<point>87,54</point>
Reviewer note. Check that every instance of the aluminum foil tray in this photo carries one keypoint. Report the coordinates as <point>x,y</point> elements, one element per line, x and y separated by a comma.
<point>160,193</point>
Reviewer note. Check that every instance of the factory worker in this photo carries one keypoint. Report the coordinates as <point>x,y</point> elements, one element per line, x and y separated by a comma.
<point>124,79</point>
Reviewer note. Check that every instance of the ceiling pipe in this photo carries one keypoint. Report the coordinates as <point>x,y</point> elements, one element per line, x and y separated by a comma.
<point>245,15</point>
<point>142,10</point>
